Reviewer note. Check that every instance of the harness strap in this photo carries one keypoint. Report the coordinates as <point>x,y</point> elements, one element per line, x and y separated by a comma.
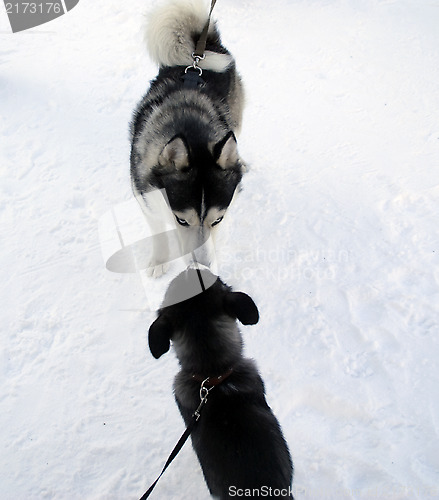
<point>212,381</point>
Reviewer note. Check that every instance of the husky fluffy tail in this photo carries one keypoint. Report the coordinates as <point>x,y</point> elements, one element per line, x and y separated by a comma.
<point>172,32</point>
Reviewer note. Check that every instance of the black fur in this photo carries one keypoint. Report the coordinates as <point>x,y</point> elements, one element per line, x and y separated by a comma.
<point>238,440</point>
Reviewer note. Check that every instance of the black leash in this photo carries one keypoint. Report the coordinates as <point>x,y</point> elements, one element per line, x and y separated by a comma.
<point>200,278</point>
<point>201,44</point>
<point>192,74</point>
<point>173,454</point>
<point>204,391</point>
<point>191,80</point>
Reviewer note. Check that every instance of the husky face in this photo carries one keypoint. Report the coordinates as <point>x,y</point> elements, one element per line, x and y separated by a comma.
<point>194,232</point>
<point>200,182</point>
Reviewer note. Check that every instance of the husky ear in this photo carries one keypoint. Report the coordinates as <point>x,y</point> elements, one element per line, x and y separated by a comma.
<point>240,305</point>
<point>159,337</point>
<point>175,154</point>
<point>225,152</point>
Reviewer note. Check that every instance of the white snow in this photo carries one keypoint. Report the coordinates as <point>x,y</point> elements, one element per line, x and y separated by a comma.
<point>335,236</point>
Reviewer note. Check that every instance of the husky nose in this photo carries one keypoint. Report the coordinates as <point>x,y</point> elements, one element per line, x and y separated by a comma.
<point>204,254</point>
<point>201,256</point>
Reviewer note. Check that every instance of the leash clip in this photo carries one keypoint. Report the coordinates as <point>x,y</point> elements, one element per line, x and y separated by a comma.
<point>204,392</point>
<point>194,65</point>
<point>197,58</point>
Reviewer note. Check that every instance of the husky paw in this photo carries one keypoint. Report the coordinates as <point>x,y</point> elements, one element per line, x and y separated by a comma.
<point>157,271</point>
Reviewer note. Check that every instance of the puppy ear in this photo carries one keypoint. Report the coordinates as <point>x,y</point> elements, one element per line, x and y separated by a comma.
<point>240,305</point>
<point>159,337</point>
<point>225,152</point>
<point>175,154</point>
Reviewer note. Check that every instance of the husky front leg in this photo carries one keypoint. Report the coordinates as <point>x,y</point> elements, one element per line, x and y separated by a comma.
<point>160,227</point>
<point>159,264</point>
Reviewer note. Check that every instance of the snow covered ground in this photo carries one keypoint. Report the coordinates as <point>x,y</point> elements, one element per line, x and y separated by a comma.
<point>335,236</point>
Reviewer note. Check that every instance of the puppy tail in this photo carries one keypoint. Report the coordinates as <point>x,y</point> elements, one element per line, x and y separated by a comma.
<point>172,31</point>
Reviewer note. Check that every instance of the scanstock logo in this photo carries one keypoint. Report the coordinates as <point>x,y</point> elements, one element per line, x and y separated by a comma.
<point>25,15</point>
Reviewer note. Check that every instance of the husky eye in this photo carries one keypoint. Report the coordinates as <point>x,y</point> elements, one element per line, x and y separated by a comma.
<point>182,222</point>
<point>217,221</point>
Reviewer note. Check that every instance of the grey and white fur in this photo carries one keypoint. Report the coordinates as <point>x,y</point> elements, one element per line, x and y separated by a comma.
<point>183,140</point>
<point>238,440</point>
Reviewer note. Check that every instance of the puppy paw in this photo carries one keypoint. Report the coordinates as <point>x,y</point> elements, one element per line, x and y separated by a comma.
<point>157,271</point>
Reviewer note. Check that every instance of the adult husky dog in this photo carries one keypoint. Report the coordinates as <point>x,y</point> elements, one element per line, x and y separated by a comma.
<point>238,440</point>
<point>183,136</point>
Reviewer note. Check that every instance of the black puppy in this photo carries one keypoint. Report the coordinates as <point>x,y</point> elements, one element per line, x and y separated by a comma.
<point>238,440</point>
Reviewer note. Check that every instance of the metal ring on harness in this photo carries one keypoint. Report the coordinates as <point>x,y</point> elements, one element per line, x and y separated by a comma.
<point>194,66</point>
<point>204,391</point>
